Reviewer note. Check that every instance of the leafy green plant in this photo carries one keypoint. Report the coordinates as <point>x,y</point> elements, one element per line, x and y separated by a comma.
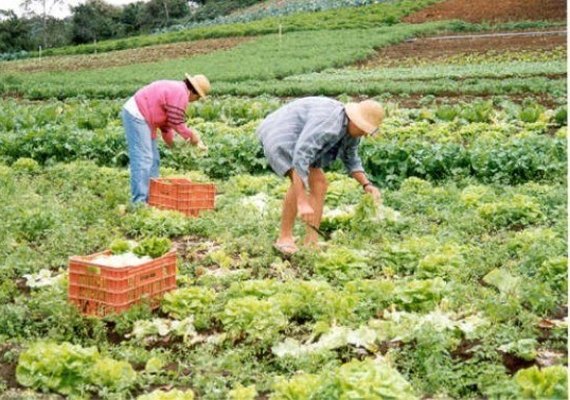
<point>243,393</point>
<point>356,379</point>
<point>531,113</point>
<point>112,374</point>
<point>524,348</point>
<point>519,210</point>
<point>342,264</point>
<point>561,116</point>
<point>294,49</point>
<point>369,379</point>
<point>119,246</point>
<point>69,369</point>
<point>478,112</point>
<point>153,247</point>
<point>420,294</point>
<point>447,113</point>
<point>63,368</point>
<point>373,295</point>
<point>299,387</point>
<point>252,319</point>
<point>149,331</point>
<point>442,262</point>
<point>554,271</point>
<point>550,382</point>
<point>174,394</point>
<point>503,281</point>
<point>26,165</point>
<point>196,301</point>
<point>150,221</point>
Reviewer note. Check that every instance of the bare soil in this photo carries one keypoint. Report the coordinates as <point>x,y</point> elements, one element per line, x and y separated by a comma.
<point>8,374</point>
<point>123,57</point>
<point>431,48</point>
<point>8,370</point>
<point>492,11</point>
<point>514,363</point>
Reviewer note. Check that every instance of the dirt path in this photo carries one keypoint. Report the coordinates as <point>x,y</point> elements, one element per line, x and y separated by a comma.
<point>123,57</point>
<point>492,11</point>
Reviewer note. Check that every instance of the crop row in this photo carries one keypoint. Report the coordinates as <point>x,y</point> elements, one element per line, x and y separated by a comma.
<point>469,145</point>
<point>417,281</point>
<point>268,57</point>
<point>439,87</point>
<point>483,57</point>
<point>259,66</point>
<point>502,115</point>
<point>455,72</point>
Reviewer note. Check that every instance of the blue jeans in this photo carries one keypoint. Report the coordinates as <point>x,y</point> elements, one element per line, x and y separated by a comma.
<point>143,156</point>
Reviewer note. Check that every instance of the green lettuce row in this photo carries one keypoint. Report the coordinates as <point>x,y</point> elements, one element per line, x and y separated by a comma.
<point>438,71</point>
<point>439,86</point>
<point>512,160</point>
<point>495,118</point>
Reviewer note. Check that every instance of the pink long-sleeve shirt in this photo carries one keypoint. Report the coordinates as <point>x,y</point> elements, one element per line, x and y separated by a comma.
<point>163,106</point>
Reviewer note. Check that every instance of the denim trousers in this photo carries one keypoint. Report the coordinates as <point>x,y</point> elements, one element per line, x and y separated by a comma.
<point>144,158</point>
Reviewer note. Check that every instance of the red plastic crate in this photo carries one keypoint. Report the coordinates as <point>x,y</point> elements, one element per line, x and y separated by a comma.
<point>100,290</point>
<point>182,195</point>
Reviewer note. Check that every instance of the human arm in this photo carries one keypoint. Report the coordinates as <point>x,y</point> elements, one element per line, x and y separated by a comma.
<point>174,104</point>
<point>368,187</point>
<point>304,209</point>
<point>168,136</point>
<point>177,122</point>
<point>353,164</point>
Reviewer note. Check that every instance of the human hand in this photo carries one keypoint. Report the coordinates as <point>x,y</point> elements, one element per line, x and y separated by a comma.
<point>375,192</point>
<point>202,147</point>
<point>305,212</point>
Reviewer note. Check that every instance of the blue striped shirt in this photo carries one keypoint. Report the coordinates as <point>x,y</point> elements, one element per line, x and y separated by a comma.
<point>308,132</point>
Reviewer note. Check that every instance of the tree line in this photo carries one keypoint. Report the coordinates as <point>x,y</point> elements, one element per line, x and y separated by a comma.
<point>97,20</point>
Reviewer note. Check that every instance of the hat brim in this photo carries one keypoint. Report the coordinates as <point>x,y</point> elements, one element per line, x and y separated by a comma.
<point>354,114</point>
<point>195,85</point>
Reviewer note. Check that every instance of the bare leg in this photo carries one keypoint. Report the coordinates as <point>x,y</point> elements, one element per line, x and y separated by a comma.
<point>318,190</point>
<point>288,221</point>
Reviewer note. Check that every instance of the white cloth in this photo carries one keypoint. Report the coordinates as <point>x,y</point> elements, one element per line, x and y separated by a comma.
<point>133,109</point>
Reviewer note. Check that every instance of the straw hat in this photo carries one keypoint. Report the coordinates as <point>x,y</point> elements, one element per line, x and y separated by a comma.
<point>200,83</point>
<point>367,115</point>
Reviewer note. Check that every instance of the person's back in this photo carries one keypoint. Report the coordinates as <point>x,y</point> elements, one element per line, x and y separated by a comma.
<point>159,99</point>
<point>294,116</point>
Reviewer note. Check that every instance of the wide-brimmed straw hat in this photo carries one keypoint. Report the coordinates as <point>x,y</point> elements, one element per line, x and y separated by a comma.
<point>367,115</point>
<point>200,83</point>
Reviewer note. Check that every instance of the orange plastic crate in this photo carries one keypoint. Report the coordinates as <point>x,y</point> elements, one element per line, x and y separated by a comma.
<point>182,195</point>
<point>100,290</point>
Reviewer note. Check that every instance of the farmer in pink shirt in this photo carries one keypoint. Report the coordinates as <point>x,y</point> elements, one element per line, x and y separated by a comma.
<point>160,105</point>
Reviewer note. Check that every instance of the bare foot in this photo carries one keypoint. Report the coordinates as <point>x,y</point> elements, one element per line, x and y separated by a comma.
<point>286,248</point>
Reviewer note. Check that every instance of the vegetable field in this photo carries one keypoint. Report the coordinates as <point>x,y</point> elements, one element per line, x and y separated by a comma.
<point>454,287</point>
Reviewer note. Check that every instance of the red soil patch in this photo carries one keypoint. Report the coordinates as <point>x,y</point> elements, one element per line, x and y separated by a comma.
<point>492,11</point>
<point>428,48</point>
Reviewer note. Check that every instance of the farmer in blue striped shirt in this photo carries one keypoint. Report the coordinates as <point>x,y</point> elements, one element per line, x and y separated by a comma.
<point>305,136</point>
